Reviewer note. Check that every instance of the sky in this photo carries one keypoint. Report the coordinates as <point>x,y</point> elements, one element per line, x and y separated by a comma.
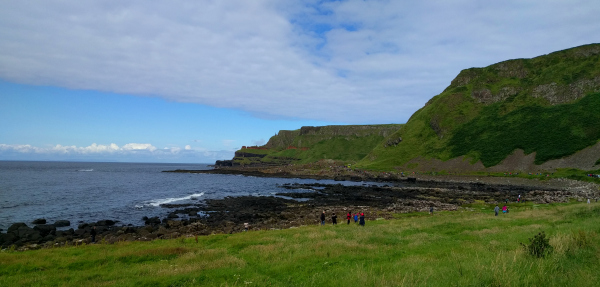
<point>193,81</point>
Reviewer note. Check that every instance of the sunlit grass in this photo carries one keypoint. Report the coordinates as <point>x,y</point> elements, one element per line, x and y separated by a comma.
<point>468,247</point>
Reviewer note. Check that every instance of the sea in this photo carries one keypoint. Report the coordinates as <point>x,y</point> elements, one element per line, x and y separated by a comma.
<point>84,192</point>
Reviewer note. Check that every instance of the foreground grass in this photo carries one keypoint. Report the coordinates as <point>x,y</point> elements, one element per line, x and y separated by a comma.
<point>469,247</point>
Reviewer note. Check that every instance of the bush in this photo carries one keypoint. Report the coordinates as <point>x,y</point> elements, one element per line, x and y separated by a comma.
<point>539,246</point>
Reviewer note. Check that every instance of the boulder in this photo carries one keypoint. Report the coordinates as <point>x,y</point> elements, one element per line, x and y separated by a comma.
<point>174,223</point>
<point>128,229</point>
<point>46,229</point>
<point>152,221</point>
<point>105,223</point>
<point>27,234</point>
<point>62,223</point>
<point>39,221</point>
<point>9,239</point>
<point>15,226</point>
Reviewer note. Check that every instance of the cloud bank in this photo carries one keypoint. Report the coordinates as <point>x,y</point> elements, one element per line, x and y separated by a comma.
<point>128,152</point>
<point>346,61</point>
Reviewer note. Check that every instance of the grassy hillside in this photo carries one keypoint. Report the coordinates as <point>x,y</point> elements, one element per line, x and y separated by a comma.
<point>467,248</point>
<point>310,144</point>
<point>548,105</point>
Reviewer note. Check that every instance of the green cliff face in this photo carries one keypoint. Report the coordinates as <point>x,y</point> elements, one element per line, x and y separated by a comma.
<point>310,144</point>
<point>549,105</point>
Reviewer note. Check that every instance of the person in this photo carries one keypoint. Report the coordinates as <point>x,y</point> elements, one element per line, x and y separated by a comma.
<point>431,210</point>
<point>356,218</point>
<point>246,226</point>
<point>504,209</point>
<point>519,199</point>
<point>496,209</point>
<point>362,219</point>
<point>323,218</point>
<point>588,200</point>
<point>348,216</point>
<point>334,218</point>
<point>93,233</point>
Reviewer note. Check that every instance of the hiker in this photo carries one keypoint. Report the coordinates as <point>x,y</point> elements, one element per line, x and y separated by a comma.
<point>323,218</point>
<point>362,219</point>
<point>348,216</point>
<point>246,226</point>
<point>504,209</point>
<point>93,234</point>
<point>356,218</point>
<point>334,218</point>
<point>431,210</point>
<point>519,199</point>
<point>496,209</point>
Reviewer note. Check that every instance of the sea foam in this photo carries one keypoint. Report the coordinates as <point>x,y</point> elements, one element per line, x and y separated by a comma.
<point>158,202</point>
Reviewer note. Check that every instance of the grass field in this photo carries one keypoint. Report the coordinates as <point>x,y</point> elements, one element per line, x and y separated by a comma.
<point>471,247</point>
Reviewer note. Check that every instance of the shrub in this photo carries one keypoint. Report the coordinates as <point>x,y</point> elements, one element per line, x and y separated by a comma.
<point>539,246</point>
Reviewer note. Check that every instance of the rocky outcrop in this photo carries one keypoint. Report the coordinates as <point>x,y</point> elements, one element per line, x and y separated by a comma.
<point>283,139</point>
<point>560,94</point>
<point>39,221</point>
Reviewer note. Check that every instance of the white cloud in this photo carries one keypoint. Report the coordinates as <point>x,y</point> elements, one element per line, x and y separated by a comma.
<point>349,61</point>
<point>112,152</point>
<point>138,147</point>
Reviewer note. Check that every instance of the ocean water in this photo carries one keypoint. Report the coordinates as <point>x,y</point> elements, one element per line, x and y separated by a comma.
<point>126,192</point>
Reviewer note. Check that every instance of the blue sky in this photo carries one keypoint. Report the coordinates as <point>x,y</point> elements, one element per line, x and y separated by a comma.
<point>192,81</point>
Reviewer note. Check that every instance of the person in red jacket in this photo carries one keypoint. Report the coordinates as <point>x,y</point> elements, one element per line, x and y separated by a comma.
<point>348,216</point>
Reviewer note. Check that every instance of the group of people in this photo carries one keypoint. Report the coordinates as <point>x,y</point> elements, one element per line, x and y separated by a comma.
<point>497,209</point>
<point>358,218</point>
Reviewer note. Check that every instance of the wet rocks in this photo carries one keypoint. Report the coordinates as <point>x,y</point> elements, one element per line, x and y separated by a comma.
<point>39,221</point>
<point>62,223</point>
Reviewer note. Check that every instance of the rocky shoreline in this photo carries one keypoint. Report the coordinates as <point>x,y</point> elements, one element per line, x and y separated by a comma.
<point>302,204</point>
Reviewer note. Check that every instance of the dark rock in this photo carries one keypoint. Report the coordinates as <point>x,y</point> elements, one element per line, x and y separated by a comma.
<point>15,227</point>
<point>39,221</point>
<point>27,234</point>
<point>152,221</point>
<point>47,238</point>
<point>105,223</point>
<point>45,229</point>
<point>62,223</point>
<point>172,215</point>
<point>83,226</point>
<point>128,229</point>
<point>9,239</point>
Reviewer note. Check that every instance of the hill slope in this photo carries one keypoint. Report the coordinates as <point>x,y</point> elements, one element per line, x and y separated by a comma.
<point>310,144</point>
<point>548,105</point>
<point>523,114</point>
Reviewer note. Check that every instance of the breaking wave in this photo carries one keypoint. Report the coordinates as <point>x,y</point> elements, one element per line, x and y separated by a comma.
<point>158,202</point>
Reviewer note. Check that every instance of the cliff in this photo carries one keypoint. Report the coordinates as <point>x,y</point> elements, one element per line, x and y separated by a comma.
<point>523,115</point>
<point>545,108</point>
<point>309,144</point>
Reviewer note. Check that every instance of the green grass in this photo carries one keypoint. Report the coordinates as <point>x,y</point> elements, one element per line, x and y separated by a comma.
<point>464,248</point>
<point>552,132</point>
<point>340,143</point>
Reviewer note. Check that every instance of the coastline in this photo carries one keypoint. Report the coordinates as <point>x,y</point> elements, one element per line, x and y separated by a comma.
<point>303,203</point>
